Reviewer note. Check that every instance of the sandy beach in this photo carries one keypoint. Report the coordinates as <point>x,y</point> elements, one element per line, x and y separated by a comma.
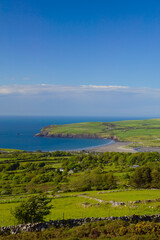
<point>120,147</point>
<point>113,147</point>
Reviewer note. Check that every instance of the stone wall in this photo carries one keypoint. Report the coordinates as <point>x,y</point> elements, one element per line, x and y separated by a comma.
<point>31,227</point>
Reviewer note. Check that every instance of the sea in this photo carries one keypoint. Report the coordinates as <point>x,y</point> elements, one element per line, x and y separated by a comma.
<point>18,133</point>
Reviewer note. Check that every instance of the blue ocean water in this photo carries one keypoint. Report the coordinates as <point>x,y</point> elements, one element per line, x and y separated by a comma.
<point>18,133</point>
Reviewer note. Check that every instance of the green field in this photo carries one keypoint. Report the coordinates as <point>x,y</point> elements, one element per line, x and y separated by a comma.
<point>75,206</point>
<point>140,132</point>
<point>72,205</point>
<point>80,184</point>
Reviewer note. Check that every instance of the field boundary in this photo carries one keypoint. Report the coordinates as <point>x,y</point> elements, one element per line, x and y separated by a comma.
<point>31,227</point>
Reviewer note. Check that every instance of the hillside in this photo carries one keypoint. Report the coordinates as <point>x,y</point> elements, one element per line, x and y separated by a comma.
<point>139,132</point>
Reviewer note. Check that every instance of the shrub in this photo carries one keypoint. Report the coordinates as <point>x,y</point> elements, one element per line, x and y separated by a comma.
<point>33,210</point>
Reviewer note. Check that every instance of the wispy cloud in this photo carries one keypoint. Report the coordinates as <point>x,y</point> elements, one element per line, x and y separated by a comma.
<point>46,88</point>
<point>103,87</point>
<point>40,88</point>
<point>81,100</point>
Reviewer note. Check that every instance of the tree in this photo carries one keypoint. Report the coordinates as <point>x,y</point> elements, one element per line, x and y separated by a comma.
<point>81,183</point>
<point>33,210</point>
<point>155,178</point>
<point>141,178</point>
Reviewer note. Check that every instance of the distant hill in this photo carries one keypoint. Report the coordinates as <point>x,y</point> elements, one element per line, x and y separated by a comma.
<point>139,132</point>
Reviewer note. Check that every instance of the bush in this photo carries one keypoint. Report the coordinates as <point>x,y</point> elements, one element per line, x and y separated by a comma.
<point>33,210</point>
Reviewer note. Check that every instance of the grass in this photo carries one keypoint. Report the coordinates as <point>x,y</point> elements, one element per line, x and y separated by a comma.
<point>6,217</point>
<point>141,132</point>
<point>119,195</point>
<point>131,195</point>
<point>71,205</point>
<point>10,150</point>
<point>76,128</point>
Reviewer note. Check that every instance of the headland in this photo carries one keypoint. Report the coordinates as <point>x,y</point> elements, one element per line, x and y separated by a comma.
<point>129,136</point>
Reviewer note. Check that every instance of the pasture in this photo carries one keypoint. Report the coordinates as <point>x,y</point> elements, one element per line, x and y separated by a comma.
<point>141,132</point>
<point>80,205</point>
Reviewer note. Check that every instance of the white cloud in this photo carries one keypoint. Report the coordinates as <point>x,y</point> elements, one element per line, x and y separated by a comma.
<point>82,100</point>
<point>58,89</point>
<point>103,87</point>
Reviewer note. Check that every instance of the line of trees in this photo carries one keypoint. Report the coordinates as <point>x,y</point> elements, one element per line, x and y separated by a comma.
<point>145,177</point>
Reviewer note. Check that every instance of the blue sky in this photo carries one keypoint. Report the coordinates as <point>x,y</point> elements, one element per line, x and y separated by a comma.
<point>76,57</point>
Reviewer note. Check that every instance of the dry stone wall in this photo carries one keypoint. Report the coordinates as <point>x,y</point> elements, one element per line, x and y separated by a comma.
<point>31,227</point>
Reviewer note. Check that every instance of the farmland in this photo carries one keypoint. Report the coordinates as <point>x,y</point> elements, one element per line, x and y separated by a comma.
<point>80,184</point>
<point>74,205</point>
<point>138,132</point>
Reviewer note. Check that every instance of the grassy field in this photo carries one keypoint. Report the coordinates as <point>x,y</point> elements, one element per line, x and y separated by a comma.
<point>74,208</point>
<point>141,132</point>
<point>94,128</point>
<point>119,195</point>
<point>63,176</point>
<point>126,196</point>
<point>72,205</point>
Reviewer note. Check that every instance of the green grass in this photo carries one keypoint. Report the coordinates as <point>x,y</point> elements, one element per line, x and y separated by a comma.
<point>141,132</point>
<point>77,128</point>
<point>71,205</point>
<point>73,208</point>
<point>6,217</point>
<point>124,196</point>
<point>120,195</point>
<point>10,150</point>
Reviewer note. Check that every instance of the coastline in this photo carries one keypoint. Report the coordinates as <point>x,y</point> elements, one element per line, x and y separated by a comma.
<point>119,146</point>
<point>116,146</point>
